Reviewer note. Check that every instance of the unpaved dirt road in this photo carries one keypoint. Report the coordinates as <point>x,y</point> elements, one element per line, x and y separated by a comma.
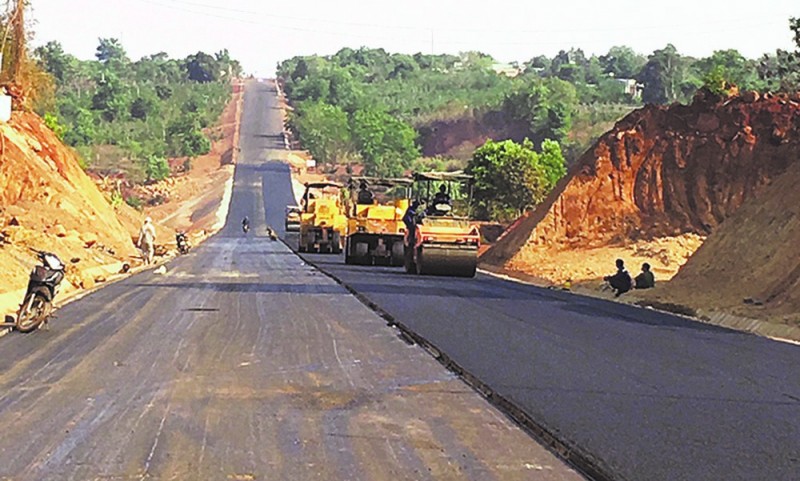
<point>244,363</point>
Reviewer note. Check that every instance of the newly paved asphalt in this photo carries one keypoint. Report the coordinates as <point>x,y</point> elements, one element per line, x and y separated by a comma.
<point>244,363</point>
<point>637,394</point>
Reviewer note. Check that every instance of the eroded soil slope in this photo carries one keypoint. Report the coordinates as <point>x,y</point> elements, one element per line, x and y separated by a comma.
<point>663,172</point>
<point>47,202</point>
<point>750,265</point>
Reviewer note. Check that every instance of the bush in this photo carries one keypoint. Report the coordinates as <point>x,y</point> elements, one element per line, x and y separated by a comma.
<point>156,168</point>
<point>134,202</point>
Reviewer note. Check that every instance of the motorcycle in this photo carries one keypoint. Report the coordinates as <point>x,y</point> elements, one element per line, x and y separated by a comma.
<point>43,285</point>
<point>183,243</point>
<point>245,227</point>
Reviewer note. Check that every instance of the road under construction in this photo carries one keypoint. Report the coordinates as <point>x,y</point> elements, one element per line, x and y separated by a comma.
<point>247,361</point>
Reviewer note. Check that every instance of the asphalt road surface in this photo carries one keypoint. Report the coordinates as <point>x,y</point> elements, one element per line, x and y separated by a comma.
<point>242,362</point>
<point>637,394</point>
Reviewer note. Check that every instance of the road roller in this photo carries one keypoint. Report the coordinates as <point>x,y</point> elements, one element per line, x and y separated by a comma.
<point>375,226</point>
<point>442,239</point>
<point>322,221</point>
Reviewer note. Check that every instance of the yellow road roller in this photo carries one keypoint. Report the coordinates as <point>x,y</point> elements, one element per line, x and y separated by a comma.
<point>322,221</point>
<point>375,226</point>
<point>441,238</point>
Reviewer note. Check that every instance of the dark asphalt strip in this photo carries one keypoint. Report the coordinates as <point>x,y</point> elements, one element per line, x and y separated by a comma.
<point>587,464</point>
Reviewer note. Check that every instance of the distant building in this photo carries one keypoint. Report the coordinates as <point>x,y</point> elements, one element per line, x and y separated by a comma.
<point>632,88</point>
<point>507,69</point>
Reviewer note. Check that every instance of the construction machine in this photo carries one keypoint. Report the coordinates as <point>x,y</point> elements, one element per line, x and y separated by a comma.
<point>322,221</point>
<point>375,226</point>
<point>443,240</point>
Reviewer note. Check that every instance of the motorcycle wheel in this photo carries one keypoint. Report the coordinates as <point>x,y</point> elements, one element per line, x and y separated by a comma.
<point>33,313</point>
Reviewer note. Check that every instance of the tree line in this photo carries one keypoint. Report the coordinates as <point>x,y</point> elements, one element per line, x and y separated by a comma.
<point>368,106</point>
<point>136,112</point>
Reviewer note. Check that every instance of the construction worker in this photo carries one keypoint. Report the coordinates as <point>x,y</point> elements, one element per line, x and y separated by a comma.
<point>365,196</point>
<point>646,279</point>
<point>621,281</point>
<point>410,217</point>
<point>147,240</point>
<point>442,203</point>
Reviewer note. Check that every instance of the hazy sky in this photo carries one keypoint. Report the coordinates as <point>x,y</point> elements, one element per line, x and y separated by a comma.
<point>262,32</point>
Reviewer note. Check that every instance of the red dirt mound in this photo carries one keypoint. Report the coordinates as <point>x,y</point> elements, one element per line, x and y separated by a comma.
<point>664,171</point>
<point>48,202</point>
<point>750,264</point>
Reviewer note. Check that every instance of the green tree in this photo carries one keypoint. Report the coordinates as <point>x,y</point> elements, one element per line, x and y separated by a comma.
<point>732,66</point>
<point>53,59</point>
<point>716,80</point>
<point>110,97</point>
<point>552,162</point>
<point>185,138</point>
<point>52,122</point>
<point>781,71</point>
<point>156,168</point>
<point>110,50</point>
<point>622,62</point>
<point>324,130</point>
<point>508,179</point>
<point>385,143</point>
<point>662,76</point>
<point>142,107</point>
<point>202,67</point>
<point>546,106</point>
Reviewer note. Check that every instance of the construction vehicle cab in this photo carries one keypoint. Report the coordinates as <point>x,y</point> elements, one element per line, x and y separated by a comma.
<point>375,226</point>
<point>444,240</point>
<point>322,221</point>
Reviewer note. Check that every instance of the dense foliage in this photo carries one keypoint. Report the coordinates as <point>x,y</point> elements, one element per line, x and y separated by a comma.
<point>363,105</point>
<point>130,116</point>
<point>511,178</point>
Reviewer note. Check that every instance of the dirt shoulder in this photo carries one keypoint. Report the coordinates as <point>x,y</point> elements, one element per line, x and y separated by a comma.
<point>194,199</point>
<point>49,203</point>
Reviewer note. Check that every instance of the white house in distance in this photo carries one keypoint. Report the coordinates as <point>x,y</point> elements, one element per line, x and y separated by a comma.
<point>507,69</point>
<point>632,88</point>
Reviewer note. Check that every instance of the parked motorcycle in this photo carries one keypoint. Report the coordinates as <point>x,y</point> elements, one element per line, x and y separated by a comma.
<point>43,286</point>
<point>183,243</point>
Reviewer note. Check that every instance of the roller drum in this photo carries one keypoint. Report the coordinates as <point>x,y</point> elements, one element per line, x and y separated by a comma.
<point>447,260</point>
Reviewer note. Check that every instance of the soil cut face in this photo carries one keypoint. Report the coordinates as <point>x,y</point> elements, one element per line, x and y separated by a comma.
<point>662,172</point>
<point>750,265</point>
<point>48,202</point>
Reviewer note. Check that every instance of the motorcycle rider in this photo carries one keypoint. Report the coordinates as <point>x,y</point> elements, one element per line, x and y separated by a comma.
<point>182,242</point>
<point>147,240</point>
<point>245,224</point>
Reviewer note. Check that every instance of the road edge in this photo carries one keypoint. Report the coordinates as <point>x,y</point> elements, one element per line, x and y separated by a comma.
<point>585,463</point>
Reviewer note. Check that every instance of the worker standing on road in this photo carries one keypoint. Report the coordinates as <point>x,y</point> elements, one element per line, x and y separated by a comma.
<point>410,217</point>
<point>646,279</point>
<point>621,281</point>
<point>147,240</point>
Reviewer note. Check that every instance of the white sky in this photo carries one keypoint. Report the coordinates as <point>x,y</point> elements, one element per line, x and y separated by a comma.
<point>262,32</point>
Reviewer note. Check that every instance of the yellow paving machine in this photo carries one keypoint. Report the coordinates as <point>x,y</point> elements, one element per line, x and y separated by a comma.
<point>375,226</point>
<point>442,240</point>
<point>322,221</point>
